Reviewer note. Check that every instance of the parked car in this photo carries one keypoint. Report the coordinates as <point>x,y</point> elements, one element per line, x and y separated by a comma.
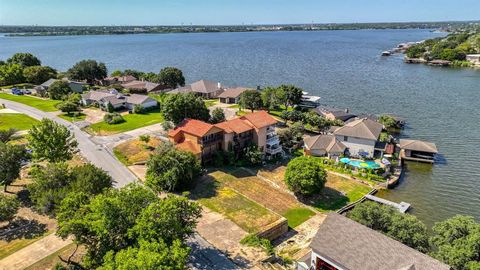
<point>17,92</point>
<point>27,92</point>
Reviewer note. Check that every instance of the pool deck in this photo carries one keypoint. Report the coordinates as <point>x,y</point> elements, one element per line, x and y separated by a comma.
<point>401,207</point>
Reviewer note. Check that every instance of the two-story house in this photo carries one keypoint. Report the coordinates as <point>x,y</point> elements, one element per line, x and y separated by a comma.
<point>204,139</point>
<point>360,137</point>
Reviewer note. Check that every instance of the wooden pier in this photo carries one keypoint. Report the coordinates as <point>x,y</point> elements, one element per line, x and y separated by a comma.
<point>401,207</point>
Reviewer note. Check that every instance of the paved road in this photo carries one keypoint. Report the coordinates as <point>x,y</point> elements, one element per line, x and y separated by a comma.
<point>96,154</point>
<point>204,255</point>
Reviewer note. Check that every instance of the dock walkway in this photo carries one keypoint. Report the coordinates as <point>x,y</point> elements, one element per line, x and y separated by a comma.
<point>401,207</point>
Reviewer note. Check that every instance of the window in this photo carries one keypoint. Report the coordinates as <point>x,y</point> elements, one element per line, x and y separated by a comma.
<point>345,138</point>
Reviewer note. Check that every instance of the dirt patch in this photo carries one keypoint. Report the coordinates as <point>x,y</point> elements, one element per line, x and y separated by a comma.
<point>136,151</point>
<point>50,261</point>
<point>93,115</point>
<point>139,170</point>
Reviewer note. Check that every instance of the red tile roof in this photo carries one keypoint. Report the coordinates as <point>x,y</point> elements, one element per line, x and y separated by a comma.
<point>189,146</point>
<point>191,126</point>
<point>260,119</point>
<point>236,125</point>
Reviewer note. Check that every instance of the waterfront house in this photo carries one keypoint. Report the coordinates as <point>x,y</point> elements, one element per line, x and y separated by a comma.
<point>343,244</point>
<point>102,98</point>
<point>334,113</point>
<point>204,139</point>
<point>360,137</point>
<point>231,95</point>
<point>324,146</point>
<point>76,87</point>
<point>416,150</point>
<point>204,88</point>
<point>117,80</point>
<point>144,87</point>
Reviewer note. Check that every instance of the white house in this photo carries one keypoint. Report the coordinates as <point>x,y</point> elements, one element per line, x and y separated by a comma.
<point>343,244</point>
<point>360,137</point>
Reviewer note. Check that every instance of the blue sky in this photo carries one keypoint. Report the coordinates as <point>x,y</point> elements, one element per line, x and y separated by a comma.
<point>175,12</point>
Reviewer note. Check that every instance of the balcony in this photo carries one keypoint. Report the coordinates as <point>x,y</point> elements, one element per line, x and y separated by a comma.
<point>273,140</point>
<point>274,150</point>
<point>270,130</point>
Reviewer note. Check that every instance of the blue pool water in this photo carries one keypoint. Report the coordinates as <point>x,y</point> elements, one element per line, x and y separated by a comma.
<point>360,163</point>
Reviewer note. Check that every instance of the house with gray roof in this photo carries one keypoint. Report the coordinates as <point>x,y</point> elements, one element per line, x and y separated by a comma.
<point>231,95</point>
<point>334,113</point>
<point>416,150</point>
<point>343,244</point>
<point>76,87</point>
<point>360,137</point>
<point>144,86</point>
<point>204,88</point>
<point>117,100</point>
<point>324,146</point>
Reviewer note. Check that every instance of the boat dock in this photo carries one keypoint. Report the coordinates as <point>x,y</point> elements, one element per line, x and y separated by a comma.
<point>401,207</point>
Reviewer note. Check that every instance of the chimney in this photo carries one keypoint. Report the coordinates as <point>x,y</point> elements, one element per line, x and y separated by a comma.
<point>219,85</point>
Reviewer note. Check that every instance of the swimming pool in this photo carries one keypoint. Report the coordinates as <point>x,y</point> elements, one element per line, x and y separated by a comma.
<point>360,163</point>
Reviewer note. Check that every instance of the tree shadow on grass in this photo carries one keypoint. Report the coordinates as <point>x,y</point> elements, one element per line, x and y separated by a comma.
<point>24,197</point>
<point>205,187</point>
<point>22,228</point>
<point>328,199</point>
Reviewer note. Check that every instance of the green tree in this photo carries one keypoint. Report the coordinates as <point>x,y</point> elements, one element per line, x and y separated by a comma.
<point>116,73</point>
<point>148,256</point>
<point>88,70</point>
<point>39,74</point>
<point>11,74</point>
<point>24,60</point>
<point>218,116</point>
<point>292,94</point>
<point>172,218</point>
<point>291,136</point>
<point>8,207</point>
<point>90,179</point>
<point>59,90</point>
<point>253,155</point>
<point>7,134</point>
<point>170,169</point>
<point>387,121</point>
<point>272,98</point>
<point>68,107</point>
<point>49,186</point>
<point>11,158</point>
<point>171,77</point>
<point>457,242</point>
<point>305,176</point>
<point>404,228</point>
<point>104,222</point>
<point>51,141</point>
<point>251,99</point>
<point>176,107</point>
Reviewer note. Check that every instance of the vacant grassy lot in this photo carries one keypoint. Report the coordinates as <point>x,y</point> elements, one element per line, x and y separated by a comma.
<point>132,121</point>
<point>17,121</point>
<point>72,117</point>
<point>135,151</point>
<point>246,213</point>
<point>266,195</point>
<point>338,191</point>
<point>46,105</point>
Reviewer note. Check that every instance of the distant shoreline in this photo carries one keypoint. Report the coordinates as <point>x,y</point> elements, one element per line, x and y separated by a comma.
<point>28,31</point>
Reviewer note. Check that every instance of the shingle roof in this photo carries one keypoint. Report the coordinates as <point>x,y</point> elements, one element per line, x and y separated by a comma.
<point>236,125</point>
<point>354,246</point>
<point>361,128</point>
<point>327,143</point>
<point>233,92</point>
<point>341,114</point>
<point>417,145</point>
<point>204,86</point>
<point>192,126</point>
<point>114,100</point>
<point>48,83</point>
<point>138,99</point>
<point>97,95</point>
<point>149,86</point>
<point>260,119</point>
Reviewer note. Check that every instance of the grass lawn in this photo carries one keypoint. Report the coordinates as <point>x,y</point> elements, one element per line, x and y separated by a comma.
<point>278,112</point>
<point>210,102</point>
<point>246,213</point>
<point>132,121</point>
<point>263,193</point>
<point>134,151</point>
<point>339,192</point>
<point>234,106</point>
<point>17,121</point>
<point>71,117</point>
<point>46,105</point>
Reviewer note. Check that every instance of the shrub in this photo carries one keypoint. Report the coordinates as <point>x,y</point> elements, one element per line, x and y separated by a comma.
<point>305,176</point>
<point>113,118</point>
<point>138,109</point>
<point>253,240</point>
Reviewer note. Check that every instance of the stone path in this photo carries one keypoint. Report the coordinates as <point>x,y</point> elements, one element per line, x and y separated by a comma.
<point>33,253</point>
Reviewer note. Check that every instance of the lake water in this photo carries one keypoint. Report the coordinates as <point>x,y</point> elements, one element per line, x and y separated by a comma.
<point>343,67</point>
